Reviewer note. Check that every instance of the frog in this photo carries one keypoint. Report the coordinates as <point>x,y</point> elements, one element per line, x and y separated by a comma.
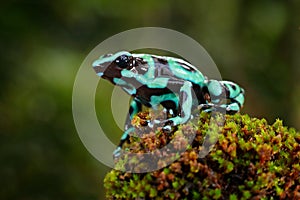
<point>173,83</point>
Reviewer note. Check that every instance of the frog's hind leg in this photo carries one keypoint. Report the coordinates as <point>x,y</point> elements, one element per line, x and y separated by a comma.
<point>184,106</point>
<point>224,90</point>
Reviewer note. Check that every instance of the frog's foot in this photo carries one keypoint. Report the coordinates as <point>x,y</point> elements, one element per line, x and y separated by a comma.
<point>209,107</point>
<point>232,108</point>
<point>152,124</point>
<point>167,125</point>
<point>145,122</point>
<point>168,128</point>
<point>117,153</point>
<point>224,108</point>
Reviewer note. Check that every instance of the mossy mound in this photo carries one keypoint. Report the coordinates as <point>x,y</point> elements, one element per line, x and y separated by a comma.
<point>250,160</point>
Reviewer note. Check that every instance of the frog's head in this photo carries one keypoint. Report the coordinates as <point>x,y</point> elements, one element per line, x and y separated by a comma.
<point>110,66</point>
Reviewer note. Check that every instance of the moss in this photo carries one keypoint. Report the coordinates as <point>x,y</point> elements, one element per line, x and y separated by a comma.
<point>248,159</point>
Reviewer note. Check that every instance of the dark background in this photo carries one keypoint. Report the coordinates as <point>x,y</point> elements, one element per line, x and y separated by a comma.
<point>255,43</point>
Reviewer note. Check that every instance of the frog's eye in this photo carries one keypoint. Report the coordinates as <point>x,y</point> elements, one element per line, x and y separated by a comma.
<point>123,61</point>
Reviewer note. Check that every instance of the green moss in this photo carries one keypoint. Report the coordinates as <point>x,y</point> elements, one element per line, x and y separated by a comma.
<point>248,159</point>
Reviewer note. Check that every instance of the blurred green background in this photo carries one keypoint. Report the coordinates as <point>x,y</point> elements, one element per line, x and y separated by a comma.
<point>255,43</point>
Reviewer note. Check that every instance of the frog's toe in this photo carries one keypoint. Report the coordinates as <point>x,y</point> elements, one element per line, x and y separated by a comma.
<point>145,122</point>
<point>152,123</point>
<point>117,153</point>
<point>167,128</point>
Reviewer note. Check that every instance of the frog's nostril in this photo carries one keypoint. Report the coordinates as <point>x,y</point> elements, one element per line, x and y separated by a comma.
<point>106,55</point>
<point>101,61</point>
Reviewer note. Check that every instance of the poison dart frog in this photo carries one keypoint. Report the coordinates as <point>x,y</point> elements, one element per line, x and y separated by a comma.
<point>174,83</point>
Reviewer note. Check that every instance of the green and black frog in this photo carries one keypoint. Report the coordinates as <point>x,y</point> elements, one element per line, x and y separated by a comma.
<point>174,83</point>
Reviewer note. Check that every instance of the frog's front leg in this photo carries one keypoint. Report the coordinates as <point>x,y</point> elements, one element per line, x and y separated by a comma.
<point>135,107</point>
<point>125,136</point>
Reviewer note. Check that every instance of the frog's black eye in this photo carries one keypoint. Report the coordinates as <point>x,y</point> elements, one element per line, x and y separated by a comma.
<point>123,61</point>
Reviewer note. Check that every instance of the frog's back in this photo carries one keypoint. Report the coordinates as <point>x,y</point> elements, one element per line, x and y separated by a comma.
<point>172,67</point>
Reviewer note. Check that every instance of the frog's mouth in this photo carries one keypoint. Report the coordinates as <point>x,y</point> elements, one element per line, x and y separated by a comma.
<point>99,70</point>
<point>101,67</point>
